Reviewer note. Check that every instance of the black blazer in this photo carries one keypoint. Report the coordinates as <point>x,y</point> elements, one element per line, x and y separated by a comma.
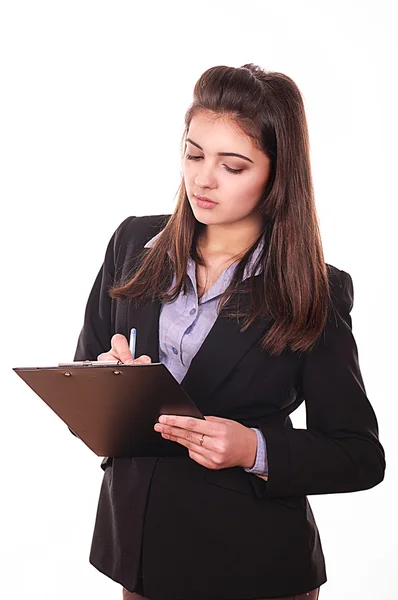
<point>201,534</point>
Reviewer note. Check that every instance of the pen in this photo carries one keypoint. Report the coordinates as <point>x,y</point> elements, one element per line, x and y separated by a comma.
<point>133,340</point>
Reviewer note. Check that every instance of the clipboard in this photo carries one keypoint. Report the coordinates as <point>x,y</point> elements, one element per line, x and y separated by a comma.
<point>112,407</point>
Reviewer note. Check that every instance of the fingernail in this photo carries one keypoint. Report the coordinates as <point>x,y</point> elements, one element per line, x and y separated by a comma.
<point>158,427</point>
<point>162,419</point>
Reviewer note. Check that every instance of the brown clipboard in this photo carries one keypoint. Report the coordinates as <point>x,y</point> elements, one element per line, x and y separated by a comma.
<point>113,408</point>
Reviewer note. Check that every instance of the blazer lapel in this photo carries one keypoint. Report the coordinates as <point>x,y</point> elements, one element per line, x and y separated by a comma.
<point>222,349</point>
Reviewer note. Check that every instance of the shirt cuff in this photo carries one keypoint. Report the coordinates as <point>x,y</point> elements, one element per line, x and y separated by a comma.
<point>260,466</point>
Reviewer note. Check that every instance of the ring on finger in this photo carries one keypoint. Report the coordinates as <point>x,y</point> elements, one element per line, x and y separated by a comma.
<point>201,439</point>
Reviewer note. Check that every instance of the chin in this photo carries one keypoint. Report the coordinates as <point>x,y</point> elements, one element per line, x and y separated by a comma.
<point>204,216</point>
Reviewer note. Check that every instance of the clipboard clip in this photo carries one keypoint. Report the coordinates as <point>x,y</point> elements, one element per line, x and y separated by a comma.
<point>91,363</point>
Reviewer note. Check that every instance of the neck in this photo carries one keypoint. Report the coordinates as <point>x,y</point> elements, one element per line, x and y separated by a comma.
<point>229,238</point>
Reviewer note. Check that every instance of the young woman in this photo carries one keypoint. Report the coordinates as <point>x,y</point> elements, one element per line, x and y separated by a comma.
<point>232,294</point>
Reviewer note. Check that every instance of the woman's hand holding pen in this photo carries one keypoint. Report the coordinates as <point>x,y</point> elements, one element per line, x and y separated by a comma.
<point>120,350</point>
<point>215,443</point>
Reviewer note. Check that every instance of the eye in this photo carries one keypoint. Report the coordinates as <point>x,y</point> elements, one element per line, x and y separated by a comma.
<point>233,171</point>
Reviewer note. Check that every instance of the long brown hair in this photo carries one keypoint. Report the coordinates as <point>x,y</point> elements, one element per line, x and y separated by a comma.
<point>293,288</point>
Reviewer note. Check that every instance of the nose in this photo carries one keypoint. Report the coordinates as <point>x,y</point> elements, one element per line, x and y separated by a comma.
<point>204,177</point>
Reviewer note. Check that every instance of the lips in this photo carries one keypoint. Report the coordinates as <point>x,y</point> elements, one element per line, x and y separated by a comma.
<point>204,202</point>
<point>204,198</point>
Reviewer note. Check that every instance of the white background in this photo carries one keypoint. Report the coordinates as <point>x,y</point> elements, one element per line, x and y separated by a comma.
<point>92,104</point>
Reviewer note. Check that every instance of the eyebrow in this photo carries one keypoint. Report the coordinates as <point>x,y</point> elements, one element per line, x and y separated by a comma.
<point>220,153</point>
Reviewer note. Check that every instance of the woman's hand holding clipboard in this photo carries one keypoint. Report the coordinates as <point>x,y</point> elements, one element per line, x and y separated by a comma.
<point>228,443</point>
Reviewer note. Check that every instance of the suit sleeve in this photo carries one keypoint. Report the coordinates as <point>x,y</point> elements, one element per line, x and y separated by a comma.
<point>97,330</point>
<point>340,449</point>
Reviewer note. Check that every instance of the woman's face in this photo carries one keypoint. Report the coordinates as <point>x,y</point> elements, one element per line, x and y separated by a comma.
<point>234,183</point>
